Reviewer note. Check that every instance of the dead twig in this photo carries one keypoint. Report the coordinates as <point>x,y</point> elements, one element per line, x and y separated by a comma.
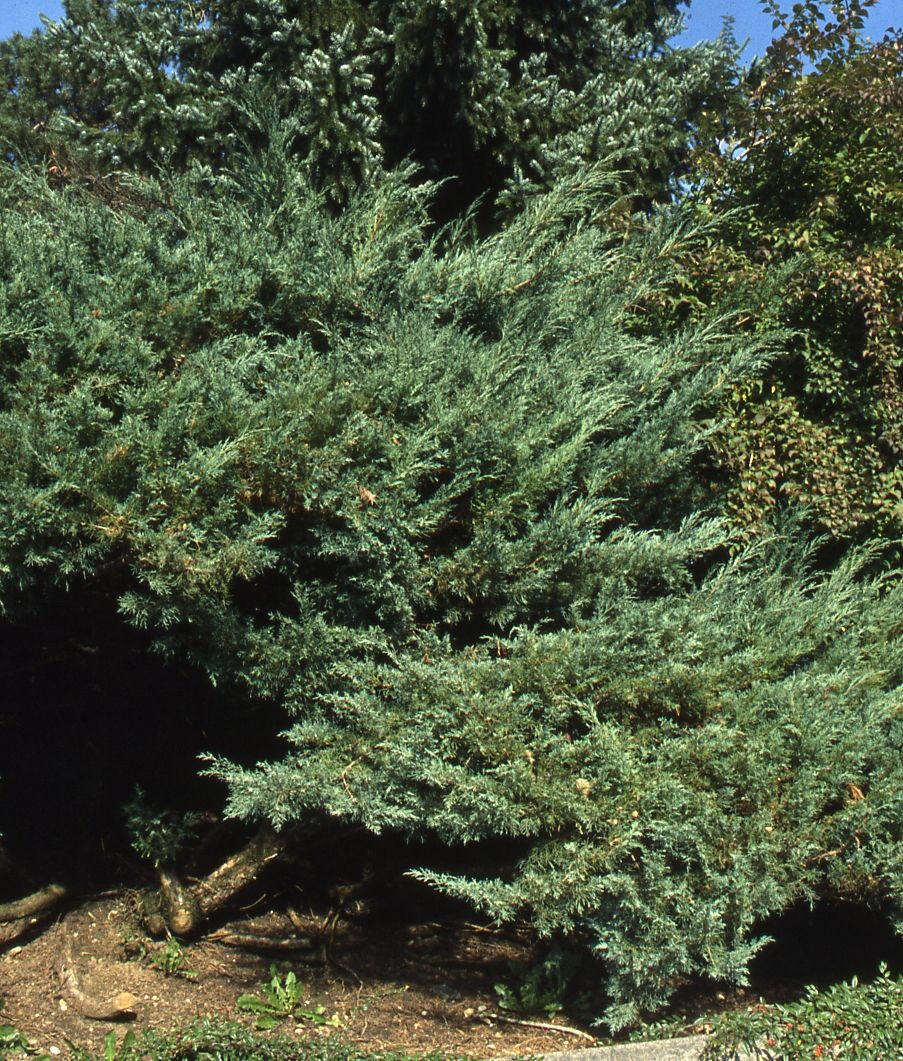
<point>540,1024</point>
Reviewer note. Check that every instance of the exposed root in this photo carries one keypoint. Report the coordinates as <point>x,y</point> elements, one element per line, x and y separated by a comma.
<point>33,905</point>
<point>16,918</point>
<point>462,963</point>
<point>249,941</point>
<point>220,887</point>
<point>179,904</point>
<point>12,930</point>
<point>540,1024</point>
<point>120,1006</point>
<point>150,910</point>
<point>296,920</point>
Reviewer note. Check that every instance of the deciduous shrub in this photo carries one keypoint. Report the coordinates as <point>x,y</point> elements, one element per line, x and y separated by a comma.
<point>805,174</point>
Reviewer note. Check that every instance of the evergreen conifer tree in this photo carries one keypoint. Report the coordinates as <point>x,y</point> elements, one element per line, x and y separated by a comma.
<point>499,97</point>
<point>442,497</point>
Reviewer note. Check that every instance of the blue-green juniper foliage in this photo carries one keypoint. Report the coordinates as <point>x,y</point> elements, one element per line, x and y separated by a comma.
<point>443,505</point>
<point>441,494</point>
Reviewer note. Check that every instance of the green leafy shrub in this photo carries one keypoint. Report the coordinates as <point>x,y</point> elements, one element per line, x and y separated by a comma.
<point>214,1039</point>
<point>159,836</point>
<point>219,1040</point>
<point>539,986</point>
<point>854,1020</point>
<point>807,177</point>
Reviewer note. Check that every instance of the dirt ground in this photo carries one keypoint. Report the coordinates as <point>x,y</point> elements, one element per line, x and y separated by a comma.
<point>397,975</point>
<point>426,986</point>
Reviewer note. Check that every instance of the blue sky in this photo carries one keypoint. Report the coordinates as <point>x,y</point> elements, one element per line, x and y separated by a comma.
<point>704,22</point>
<point>751,22</point>
<point>21,16</point>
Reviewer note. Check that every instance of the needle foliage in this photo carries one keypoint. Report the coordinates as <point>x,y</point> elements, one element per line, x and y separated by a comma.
<point>500,98</point>
<point>440,497</point>
<point>443,495</point>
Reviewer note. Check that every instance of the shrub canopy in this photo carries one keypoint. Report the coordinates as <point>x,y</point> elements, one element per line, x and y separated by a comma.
<point>440,498</point>
<point>445,497</point>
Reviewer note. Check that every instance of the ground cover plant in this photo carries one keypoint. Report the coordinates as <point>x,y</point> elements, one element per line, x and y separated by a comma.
<point>202,1040</point>
<point>445,502</point>
<point>848,1020</point>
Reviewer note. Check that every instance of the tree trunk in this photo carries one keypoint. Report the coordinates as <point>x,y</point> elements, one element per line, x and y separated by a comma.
<point>180,908</point>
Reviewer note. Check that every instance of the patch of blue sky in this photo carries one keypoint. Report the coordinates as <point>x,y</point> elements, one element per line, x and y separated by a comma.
<point>705,18</point>
<point>24,16</point>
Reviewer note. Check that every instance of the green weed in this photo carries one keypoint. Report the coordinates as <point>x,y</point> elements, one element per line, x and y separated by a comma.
<point>113,1050</point>
<point>539,987</point>
<point>13,1043</point>
<point>172,960</point>
<point>280,1000</point>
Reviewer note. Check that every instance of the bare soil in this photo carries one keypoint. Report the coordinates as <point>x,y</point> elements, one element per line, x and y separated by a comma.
<point>408,977</point>
<point>425,986</point>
